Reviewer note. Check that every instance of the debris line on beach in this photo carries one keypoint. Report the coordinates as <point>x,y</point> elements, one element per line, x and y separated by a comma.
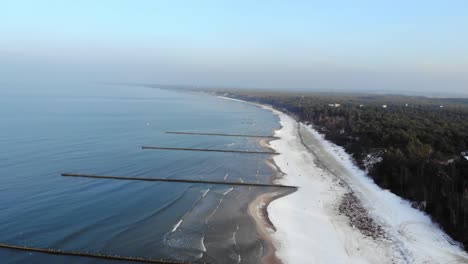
<point>53,251</point>
<point>174,180</point>
<point>218,134</point>
<point>212,150</point>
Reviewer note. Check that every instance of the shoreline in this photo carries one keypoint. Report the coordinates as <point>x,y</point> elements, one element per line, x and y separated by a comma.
<point>340,222</point>
<point>255,209</point>
<point>278,244</point>
<point>258,208</point>
<point>310,226</point>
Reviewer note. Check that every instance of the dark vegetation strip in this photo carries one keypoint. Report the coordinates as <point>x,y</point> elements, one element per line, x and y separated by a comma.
<point>212,150</point>
<point>175,180</point>
<point>219,134</point>
<point>89,255</point>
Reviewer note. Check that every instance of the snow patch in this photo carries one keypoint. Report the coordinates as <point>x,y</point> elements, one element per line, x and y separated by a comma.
<point>372,159</point>
<point>309,228</point>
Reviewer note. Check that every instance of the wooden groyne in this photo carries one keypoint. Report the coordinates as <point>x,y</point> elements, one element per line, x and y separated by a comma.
<point>52,251</point>
<point>108,177</point>
<point>212,150</point>
<point>218,134</point>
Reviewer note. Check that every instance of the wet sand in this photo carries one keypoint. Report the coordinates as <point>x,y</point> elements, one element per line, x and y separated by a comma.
<point>244,236</point>
<point>231,233</point>
<point>258,210</point>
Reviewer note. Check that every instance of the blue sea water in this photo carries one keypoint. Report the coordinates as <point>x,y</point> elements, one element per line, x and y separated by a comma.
<point>46,130</point>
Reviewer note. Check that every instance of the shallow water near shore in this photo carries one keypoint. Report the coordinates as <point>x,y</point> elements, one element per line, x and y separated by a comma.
<point>99,129</point>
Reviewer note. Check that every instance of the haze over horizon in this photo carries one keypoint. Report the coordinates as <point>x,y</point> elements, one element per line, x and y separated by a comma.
<point>416,47</point>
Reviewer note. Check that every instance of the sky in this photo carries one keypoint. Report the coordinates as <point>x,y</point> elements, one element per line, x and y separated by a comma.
<point>381,46</point>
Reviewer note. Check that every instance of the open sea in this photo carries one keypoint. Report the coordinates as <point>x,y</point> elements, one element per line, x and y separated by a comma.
<point>99,129</point>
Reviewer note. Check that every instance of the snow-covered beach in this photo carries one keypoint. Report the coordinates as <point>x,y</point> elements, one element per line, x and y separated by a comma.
<point>311,228</point>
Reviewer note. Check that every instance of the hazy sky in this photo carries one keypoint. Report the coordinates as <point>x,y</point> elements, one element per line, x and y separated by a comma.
<point>325,45</point>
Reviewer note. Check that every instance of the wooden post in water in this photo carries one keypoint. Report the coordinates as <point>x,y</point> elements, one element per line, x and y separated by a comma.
<point>218,134</point>
<point>212,150</point>
<point>52,251</point>
<point>108,177</point>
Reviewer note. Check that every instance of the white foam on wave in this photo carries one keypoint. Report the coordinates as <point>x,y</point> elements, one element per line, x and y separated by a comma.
<point>228,191</point>
<point>206,192</point>
<point>234,234</point>
<point>219,204</point>
<point>203,247</point>
<point>176,226</point>
<point>232,99</point>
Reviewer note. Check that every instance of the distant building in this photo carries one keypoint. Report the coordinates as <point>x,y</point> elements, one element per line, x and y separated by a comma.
<point>406,105</point>
<point>361,105</point>
<point>334,105</point>
<point>384,106</point>
<point>441,106</point>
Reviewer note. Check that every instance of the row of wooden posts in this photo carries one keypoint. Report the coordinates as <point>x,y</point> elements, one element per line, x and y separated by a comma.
<point>110,177</point>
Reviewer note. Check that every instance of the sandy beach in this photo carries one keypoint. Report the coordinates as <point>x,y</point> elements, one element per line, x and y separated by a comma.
<point>312,228</point>
<point>257,209</point>
<point>338,215</point>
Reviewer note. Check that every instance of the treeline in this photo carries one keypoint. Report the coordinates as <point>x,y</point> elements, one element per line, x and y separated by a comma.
<point>412,146</point>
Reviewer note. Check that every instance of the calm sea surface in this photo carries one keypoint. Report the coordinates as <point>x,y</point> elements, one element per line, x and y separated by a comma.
<point>99,129</point>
